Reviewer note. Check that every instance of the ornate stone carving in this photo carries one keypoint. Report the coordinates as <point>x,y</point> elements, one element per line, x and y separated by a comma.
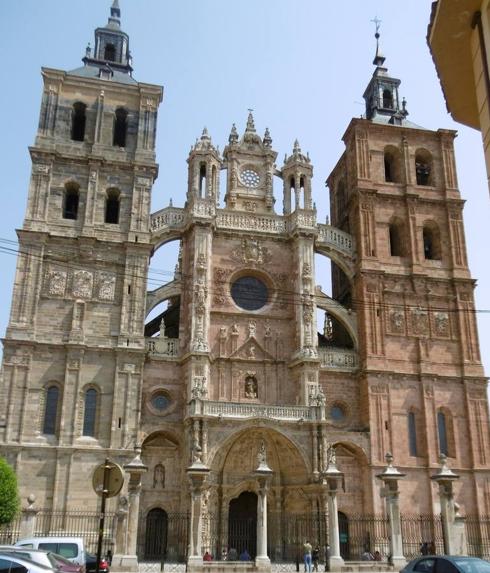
<point>420,321</point>
<point>56,282</point>
<point>379,388</point>
<point>397,321</point>
<point>83,284</point>
<point>41,168</point>
<point>220,278</point>
<point>159,477</point>
<point>250,206</point>
<point>107,286</point>
<point>199,388</point>
<point>251,252</point>
<point>252,328</point>
<point>441,323</point>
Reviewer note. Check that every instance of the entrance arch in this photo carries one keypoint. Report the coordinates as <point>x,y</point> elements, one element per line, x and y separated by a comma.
<point>242,523</point>
<point>156,534</point>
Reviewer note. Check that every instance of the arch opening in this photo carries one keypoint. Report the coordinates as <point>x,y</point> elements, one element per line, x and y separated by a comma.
<point>242,524</point>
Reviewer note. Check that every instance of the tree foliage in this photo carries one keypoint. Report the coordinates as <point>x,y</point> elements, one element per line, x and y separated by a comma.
<point>9,497</point>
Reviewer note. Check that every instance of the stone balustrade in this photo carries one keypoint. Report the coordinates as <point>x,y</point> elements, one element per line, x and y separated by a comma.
<point>167,347</point>
<point>250,222</point>
<point>167,218</point>
<point>338,359</point>
<point>336,239</point>
<point>240,410</point>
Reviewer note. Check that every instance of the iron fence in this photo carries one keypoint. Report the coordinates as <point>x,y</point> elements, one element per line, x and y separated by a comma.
<point>418,530</point>
<point>9,532</point>
<point>361,533</point>
<point>83,524</point>
<point>163,536</point>
<point>478,535</point>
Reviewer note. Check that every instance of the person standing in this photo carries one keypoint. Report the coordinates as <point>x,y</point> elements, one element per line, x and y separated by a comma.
<point>315,557</point>
<point>327,557</point>
<point>307,548</point>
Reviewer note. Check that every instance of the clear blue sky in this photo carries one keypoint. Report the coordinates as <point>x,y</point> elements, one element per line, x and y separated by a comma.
<point>302,66</point>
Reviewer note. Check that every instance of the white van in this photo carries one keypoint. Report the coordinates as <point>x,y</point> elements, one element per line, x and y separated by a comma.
<point>71,548</point>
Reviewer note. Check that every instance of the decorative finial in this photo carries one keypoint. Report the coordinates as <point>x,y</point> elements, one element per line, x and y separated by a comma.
<point>296,147</point>
<point>233,138</point>
<point>250,121</point>
<point>267,138</point>
<point>205,134</point>
<point>404,111</point>
<point>88,51</point>
<point>378,58</point>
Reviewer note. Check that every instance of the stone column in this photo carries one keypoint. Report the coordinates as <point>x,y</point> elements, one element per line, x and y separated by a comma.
<point>196,474</point>
<point>28,519</point>
<point>128,562</point>
<point>445,478</point>
<point>263,473</point>
<point>390,477</point>
<point>332,478</point>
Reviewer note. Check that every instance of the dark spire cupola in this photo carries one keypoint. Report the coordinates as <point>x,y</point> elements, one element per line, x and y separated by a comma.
<point>381,96</point>
<point>111,51</point>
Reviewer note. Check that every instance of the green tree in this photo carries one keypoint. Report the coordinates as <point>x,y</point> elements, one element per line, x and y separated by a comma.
<point>9,497</point>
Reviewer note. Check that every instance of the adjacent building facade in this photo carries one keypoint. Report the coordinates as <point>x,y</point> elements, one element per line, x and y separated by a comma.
<point>459,40</point>
<point>237,360</point>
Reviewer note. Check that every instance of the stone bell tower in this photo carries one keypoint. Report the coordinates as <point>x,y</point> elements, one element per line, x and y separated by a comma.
<point>395,190</point>
<point>74,346</point>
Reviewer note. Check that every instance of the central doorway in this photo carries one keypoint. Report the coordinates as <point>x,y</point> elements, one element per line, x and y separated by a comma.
<point>156,534</point>
<point>242,523</point>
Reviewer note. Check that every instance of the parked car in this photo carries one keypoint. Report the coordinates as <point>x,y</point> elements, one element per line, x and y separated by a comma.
<point>71,548</point>
<point>43,557</point>
<point>446,564</point>
<point>13,564</point>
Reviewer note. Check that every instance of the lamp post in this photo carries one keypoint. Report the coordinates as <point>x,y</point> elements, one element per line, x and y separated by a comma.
<point>263,474</point>
<point>445,478</point>
<point>332,477</point>
<point>196,474</point>
<point>390,477</point>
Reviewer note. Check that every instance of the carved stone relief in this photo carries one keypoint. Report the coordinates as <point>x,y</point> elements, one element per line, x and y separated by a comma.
<point>251,252</point>
<point>107,286</point>
<point>396,322</point>
<point>420,321</point>
<point>82,284</point>
<point>441,324</point>
<point>57,282</point>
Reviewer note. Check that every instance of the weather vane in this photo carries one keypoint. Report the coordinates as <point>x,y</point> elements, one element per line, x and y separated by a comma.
<point>250,109</point>
<point>377,22</point>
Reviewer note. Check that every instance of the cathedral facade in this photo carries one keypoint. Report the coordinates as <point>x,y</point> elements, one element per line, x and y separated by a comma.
<point>237,360</point>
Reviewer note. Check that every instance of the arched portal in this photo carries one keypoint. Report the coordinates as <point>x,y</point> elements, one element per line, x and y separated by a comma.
<point>242,523</point>
<point>156,534</point>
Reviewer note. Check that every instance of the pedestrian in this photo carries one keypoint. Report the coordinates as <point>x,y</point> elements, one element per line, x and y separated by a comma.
<point>315,557</point>
<point>232,554</point>
<point>224,554</point>
<point>367,555</point>
<point>307,548</point>
<point>207,556</point>
<point>424,548</point>
<point>327,557</point>
<point>377,556</point>
<point>244,555</point>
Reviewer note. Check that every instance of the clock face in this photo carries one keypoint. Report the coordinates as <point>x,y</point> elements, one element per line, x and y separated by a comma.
<point>250,178</point>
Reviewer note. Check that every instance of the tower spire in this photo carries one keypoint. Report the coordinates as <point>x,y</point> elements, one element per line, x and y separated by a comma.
<point>115,17</point>
<point>379,59</point>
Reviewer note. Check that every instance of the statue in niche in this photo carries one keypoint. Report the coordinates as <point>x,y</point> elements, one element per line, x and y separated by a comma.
<point>251,387</point>
<point>234,329</point>
<point>222,332</point>
<point>268,330</point>
<point>252,328</point>
<point>159,477</point>
<point>251,352</point>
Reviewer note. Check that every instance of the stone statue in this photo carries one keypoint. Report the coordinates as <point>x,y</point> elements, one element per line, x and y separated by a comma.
<point>250,387</point>
<point>262,454</point>
<point>331,456</point>
<point>162,328</point>
<point>234,329</point>
<point>252,328</point>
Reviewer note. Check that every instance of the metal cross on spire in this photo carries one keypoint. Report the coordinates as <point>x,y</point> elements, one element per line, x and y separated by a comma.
<point>377,23</point>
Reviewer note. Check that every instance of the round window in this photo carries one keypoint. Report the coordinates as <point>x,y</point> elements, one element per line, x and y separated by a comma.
<point>249,293</point>
<point>337,413</point>
<point>250,178</point>
<point>160,402</point>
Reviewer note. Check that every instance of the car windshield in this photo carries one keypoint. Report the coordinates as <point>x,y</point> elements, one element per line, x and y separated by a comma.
<point>472,565</point>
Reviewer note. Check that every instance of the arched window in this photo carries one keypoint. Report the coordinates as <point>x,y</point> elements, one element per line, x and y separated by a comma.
<point>423,167</point>
<point>442,431</point>
<point>412,434</point>
<point>50,423</point>
<point>432,241</point>
<point>78,119</point>
<point>110,53</point>
<point>396,239</point>
<point>70,201</point>
<point>90,412</point>
<point>214,180</point>
<point>202,180</point>
<point>112,204</point>
<point>387,99</point>
<point>120,127</point>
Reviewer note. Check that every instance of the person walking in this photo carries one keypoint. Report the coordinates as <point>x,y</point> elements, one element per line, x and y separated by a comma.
<point>307,548</point>
<point>315,557</point>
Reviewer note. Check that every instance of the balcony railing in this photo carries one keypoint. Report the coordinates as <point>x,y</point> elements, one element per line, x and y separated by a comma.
<point>168,347</point>
<point>238,410</point>
<point>338,359</point>
<point>340,240</point>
